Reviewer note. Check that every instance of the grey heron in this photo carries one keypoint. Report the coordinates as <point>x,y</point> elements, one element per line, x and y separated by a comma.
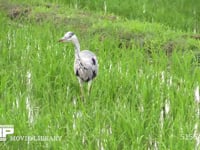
<point>85,63</point>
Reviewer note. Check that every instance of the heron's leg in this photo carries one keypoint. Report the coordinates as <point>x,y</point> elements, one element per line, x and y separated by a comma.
<point>89,86</point>
<point>81,88</point>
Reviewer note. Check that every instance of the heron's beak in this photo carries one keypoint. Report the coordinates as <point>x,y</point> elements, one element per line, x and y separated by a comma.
<point>61,40</point>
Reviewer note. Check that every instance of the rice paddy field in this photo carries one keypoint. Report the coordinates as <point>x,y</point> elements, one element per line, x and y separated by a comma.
<point>146,94</point>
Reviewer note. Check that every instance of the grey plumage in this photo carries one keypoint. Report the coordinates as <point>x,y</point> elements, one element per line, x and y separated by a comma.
<point>85,63</point>
<point>86,67</point>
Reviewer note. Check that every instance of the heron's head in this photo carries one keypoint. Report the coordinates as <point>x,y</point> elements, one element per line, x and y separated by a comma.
<point>67,37</point>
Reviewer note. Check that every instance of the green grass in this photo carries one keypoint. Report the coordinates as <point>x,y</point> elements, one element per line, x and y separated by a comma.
<point>142,66</point>
<point>181,14</point>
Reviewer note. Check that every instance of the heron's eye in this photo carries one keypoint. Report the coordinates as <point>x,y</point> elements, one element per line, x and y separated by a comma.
<point>71,34</point>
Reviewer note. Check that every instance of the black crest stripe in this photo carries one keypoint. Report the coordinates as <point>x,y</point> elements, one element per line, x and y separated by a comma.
<point>93,61</point>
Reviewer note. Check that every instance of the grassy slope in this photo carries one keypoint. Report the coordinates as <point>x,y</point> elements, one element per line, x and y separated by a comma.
<point>123,111</point>
<point>182,14</point>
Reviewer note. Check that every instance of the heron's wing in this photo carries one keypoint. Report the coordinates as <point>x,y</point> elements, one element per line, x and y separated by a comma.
<point>89,59</point>
<point>90,62</point>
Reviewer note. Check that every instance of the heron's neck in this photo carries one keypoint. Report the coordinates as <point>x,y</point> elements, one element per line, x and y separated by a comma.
<point>77,46</point>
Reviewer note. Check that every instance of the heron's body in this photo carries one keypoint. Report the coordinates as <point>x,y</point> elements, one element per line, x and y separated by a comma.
<point>85,63</point>
<point>85,68</point>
